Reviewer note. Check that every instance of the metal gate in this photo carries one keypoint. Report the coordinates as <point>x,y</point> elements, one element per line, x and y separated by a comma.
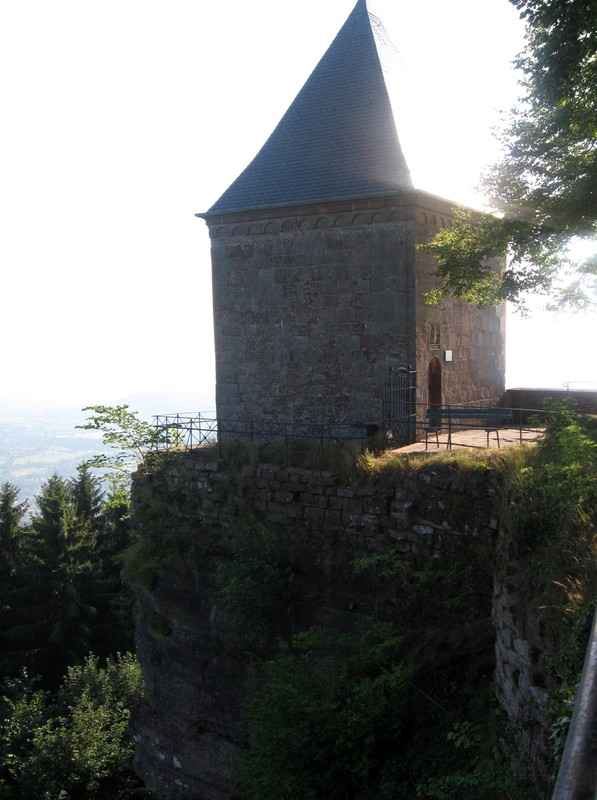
<point>399,408</point>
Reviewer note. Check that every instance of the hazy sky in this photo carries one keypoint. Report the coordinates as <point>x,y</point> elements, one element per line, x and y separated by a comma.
<point>122,118</point>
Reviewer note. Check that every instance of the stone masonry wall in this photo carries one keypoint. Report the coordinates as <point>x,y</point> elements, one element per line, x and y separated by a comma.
<point>526,684</point>
<point>585,402</point>
<point>475,337</point>
<point>310,311</point>
<point>198,664</point>
<point>314,305</point>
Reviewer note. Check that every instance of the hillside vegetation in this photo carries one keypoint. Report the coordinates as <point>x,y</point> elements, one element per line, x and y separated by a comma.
<point>403,709</point>
<point>408,710</point>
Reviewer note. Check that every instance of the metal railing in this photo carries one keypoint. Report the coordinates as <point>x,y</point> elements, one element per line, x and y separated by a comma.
<point>308,441</point>
<point>188,431</point>
<point>568,384</point>
<point>577,776</point>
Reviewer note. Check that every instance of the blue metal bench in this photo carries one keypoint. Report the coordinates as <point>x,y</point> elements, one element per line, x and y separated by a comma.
<point>489,419</point>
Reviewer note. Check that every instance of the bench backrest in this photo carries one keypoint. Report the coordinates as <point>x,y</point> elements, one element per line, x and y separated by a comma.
<point>454,412</point>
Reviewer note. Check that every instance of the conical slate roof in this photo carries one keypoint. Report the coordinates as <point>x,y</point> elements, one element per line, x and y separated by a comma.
<point>338,139</point>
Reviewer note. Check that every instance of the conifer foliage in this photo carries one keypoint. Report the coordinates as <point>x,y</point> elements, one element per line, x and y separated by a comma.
<point>11,513</point>
<point>63,596</point>
<point>65,619</point>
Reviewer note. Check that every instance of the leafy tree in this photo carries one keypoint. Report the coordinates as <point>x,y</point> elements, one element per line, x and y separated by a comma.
<point>122,430</point>
<point>554,522</point>
<point>76,744</point>
<point>476,774</point>
<point>55,520</point>
<point>342,716</point>
<point>25,622</point>
<point>116,519</point>
<point>131,440</point>
<point>544,188</point>
<point>328,719</point>
<point>22,711</point>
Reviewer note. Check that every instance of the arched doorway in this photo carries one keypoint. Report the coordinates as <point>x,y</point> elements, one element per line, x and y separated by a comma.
<point>434,383</point>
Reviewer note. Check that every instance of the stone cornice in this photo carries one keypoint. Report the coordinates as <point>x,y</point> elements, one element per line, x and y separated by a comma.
<point>416,206</point>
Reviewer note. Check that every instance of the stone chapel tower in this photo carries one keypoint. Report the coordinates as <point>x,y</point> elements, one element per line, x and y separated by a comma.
<point>317,283</point>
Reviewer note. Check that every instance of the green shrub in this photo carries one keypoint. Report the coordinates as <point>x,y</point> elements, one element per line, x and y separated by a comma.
<point>479,775</point>
<point>554,529</point>
<point>252,583</point>
<point>328,718</point>
<point>143,558</point>
<point>76,745</point>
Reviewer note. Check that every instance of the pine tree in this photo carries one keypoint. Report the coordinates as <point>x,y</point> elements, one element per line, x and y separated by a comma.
<point>11,515</point>
<point>50,619</point>
<point>66,596</point>
<point>87,496</point>
<point>11,538</point>
<point>112,626</point>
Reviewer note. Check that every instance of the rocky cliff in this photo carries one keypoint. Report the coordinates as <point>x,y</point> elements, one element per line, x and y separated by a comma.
<point>230,560</point>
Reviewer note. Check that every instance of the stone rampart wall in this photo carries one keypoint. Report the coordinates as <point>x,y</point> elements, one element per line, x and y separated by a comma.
<point>535,399</point>
<point>198,671</point>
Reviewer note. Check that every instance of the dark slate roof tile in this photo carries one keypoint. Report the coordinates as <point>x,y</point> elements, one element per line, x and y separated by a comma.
<point>338,139</point>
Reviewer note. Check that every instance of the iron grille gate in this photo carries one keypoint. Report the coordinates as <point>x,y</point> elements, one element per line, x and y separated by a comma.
<point>399,408</point>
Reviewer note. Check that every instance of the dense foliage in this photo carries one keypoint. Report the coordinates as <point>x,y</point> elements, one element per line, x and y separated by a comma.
<point>397,711</point>
<point>63,711</point>
<point>63,595</point>
<point>328,719</point>
<point>344,717</point>
<point>544,188</point>
<point>406,710</point>
<point>74,743</point>
<point>130,438</point>
<point>252,585</point>
<point>555,528</point>
<point>387,713</point>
